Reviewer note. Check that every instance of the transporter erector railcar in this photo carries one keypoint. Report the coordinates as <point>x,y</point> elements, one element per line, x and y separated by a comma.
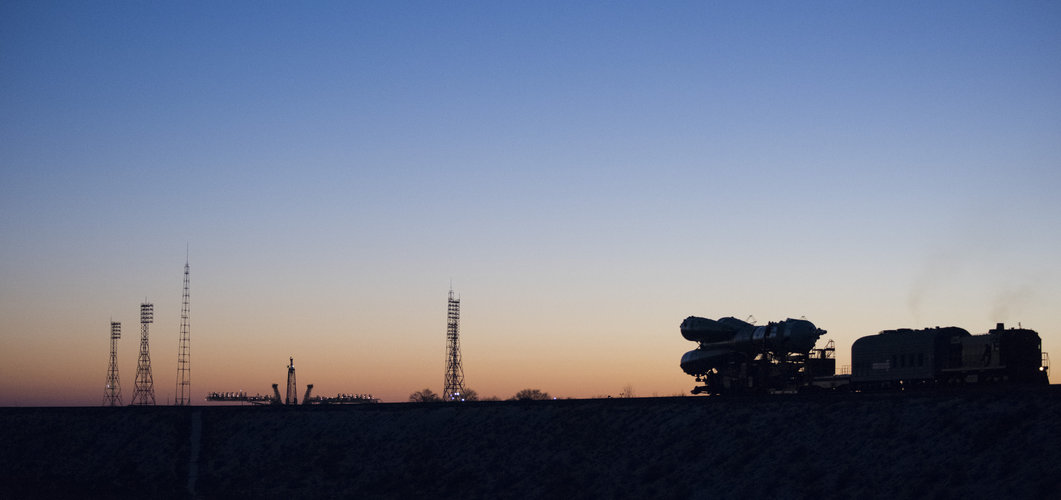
<point>735,356</point>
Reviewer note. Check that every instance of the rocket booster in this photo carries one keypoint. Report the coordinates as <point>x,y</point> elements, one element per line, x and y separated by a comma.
<point>730,338</point>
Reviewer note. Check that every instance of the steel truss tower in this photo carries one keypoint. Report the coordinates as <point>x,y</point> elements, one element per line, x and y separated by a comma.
<point>454,386</point>
<point>144,390</point>
<point>112,394</point>
<point>184,365</point>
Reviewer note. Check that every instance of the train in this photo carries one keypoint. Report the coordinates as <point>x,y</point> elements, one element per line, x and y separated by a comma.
<point>737,357</point>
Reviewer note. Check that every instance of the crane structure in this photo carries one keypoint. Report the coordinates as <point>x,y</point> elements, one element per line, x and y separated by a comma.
<point>144,387</point>
<point>112,393</point>
<point>453,388</point>
<point>184,365</point>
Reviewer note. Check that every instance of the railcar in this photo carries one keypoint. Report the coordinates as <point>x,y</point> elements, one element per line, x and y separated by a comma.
<point>735,356</point>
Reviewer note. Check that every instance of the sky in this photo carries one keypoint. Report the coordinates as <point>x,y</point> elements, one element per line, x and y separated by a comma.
<point>584,175</point>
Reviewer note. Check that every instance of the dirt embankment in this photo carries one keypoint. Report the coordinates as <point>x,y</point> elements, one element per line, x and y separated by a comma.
<point>950,445</point>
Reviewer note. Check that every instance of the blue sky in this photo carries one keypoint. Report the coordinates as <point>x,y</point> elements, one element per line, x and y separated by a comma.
<point>587,175</point>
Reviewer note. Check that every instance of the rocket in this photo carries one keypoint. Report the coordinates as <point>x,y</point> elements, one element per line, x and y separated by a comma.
<point>730,339</point>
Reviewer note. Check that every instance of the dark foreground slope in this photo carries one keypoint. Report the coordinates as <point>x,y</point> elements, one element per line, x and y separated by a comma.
<point>950,445</point>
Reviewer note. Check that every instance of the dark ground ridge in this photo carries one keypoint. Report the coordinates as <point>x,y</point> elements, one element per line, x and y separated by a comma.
<point>999,442</point>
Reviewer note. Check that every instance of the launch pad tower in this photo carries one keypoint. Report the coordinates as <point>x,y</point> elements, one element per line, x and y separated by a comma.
<point>291,398</point>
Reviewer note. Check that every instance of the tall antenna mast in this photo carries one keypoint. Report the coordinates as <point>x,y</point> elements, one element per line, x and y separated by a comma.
<point>454,386</point>
<point>112,394</point>
<point>144,390</point>
<point>184,362</point>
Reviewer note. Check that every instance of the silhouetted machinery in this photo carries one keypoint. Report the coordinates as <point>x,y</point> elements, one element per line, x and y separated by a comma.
<point>291,395</point>
<point>735,356</point>
<point>948,356</point>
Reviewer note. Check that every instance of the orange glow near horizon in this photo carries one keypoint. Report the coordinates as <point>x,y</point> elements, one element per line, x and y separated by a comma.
<point>584,181</point>
<point>595,357</point>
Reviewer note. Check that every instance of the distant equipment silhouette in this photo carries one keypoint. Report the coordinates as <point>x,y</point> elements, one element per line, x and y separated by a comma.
<point>454,385</point>
<point>112,393</point>
<point>184,361</point>
<point>736,356</point>
<point>291,396</point>
<point>144,390</point>
<point>292,390</point>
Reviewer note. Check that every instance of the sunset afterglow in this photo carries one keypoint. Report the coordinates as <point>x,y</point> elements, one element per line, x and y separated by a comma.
<point>583,175</point>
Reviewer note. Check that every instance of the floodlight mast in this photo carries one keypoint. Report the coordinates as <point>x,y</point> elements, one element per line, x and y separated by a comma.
<point>454,384</point>
<point>144,387</point>
<point>112,393</point>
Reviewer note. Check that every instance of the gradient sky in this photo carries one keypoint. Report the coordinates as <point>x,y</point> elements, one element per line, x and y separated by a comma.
<point>587,175</point>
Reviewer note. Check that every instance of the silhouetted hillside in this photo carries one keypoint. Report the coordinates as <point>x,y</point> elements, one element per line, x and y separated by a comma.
<point>939,445</point>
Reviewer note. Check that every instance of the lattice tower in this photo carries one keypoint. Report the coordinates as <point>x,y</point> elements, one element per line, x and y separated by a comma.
<point>292,391</point>
<point>144,390</point>
<point>112,393</point>
<point>184,360</point>
<point>454,385</point>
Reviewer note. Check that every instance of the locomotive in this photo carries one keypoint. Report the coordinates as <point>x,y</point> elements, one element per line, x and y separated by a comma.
<point>895,359</point>
<point>734,356</point>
